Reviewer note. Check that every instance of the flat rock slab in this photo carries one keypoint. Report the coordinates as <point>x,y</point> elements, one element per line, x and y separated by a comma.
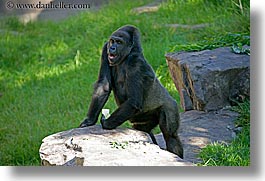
<point>152,7</point>
<point>198,129</point>
<point>210,79</point>
<point>93,146</point>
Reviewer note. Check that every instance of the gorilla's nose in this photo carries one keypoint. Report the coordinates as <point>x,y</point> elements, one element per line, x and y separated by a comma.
<point>112,50</point>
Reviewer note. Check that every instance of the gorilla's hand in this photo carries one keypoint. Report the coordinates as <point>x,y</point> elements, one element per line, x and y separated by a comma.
<point>87,122</point>
<point>102,121</point>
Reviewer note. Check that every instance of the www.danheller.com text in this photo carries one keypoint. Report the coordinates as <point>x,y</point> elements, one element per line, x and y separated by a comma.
<point>50,5</point>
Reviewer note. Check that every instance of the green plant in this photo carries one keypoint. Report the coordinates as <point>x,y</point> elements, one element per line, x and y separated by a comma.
<point>244,110</point>
<point>239,49</point>
<point>234,40</point>
<point>118,145</point>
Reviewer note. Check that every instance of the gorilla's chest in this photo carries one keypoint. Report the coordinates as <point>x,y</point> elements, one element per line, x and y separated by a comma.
<point>119,83</point>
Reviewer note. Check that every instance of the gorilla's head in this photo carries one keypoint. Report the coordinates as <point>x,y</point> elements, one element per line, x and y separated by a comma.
<point>121,43</point>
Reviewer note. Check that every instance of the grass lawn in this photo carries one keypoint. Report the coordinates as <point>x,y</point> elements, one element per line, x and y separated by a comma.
<point>47,69</point>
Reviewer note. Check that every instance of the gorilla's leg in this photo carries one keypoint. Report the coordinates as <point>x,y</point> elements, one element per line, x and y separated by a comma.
<point>147,127</point>
<point>169,123</point>
<point>153,137</point>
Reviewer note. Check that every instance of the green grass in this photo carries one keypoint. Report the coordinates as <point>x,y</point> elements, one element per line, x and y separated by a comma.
<point>47,69</point>
<point>237,153</point>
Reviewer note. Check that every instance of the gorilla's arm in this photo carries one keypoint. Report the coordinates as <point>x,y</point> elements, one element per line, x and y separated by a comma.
<point>101,92</point>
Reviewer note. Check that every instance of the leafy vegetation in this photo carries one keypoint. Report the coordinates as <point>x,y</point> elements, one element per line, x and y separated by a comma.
<point>118,145</point>
<point>47,69</point>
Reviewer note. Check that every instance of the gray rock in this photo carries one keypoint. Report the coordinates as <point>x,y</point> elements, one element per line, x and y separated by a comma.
<point>209,79</point>
<point>198,129</point>
<point>152,7</point>
<point>93,146</point>
<point>196,26</point>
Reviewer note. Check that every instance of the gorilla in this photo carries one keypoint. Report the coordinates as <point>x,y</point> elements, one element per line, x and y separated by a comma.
<point>140,97</point>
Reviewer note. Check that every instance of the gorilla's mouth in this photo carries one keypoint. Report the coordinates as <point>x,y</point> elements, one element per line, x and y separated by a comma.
<point>112,56</point>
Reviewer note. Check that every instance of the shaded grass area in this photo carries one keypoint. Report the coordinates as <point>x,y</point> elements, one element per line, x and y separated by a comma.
<point>47,69</point>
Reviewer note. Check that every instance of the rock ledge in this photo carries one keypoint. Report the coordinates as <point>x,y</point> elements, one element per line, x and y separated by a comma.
<point>93,146</point>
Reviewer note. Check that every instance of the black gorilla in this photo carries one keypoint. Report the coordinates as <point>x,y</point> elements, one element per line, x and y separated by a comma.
<point>138,93</point>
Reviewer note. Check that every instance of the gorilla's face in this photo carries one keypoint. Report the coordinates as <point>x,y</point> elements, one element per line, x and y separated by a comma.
<point>119,47</point>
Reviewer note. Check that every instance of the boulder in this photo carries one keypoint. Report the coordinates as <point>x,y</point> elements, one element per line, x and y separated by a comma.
<point>210,79</point>
<point>93,146</point>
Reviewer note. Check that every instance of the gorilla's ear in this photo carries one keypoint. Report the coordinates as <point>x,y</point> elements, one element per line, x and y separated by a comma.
<point>135,37</point>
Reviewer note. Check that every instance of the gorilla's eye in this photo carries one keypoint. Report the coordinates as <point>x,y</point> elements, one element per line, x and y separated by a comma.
<point>119,41</point>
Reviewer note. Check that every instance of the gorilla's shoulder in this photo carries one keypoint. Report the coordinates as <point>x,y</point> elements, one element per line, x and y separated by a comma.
<point>136,58</point>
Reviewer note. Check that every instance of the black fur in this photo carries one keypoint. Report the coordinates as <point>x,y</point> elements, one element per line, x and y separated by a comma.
<point>138,93</point>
